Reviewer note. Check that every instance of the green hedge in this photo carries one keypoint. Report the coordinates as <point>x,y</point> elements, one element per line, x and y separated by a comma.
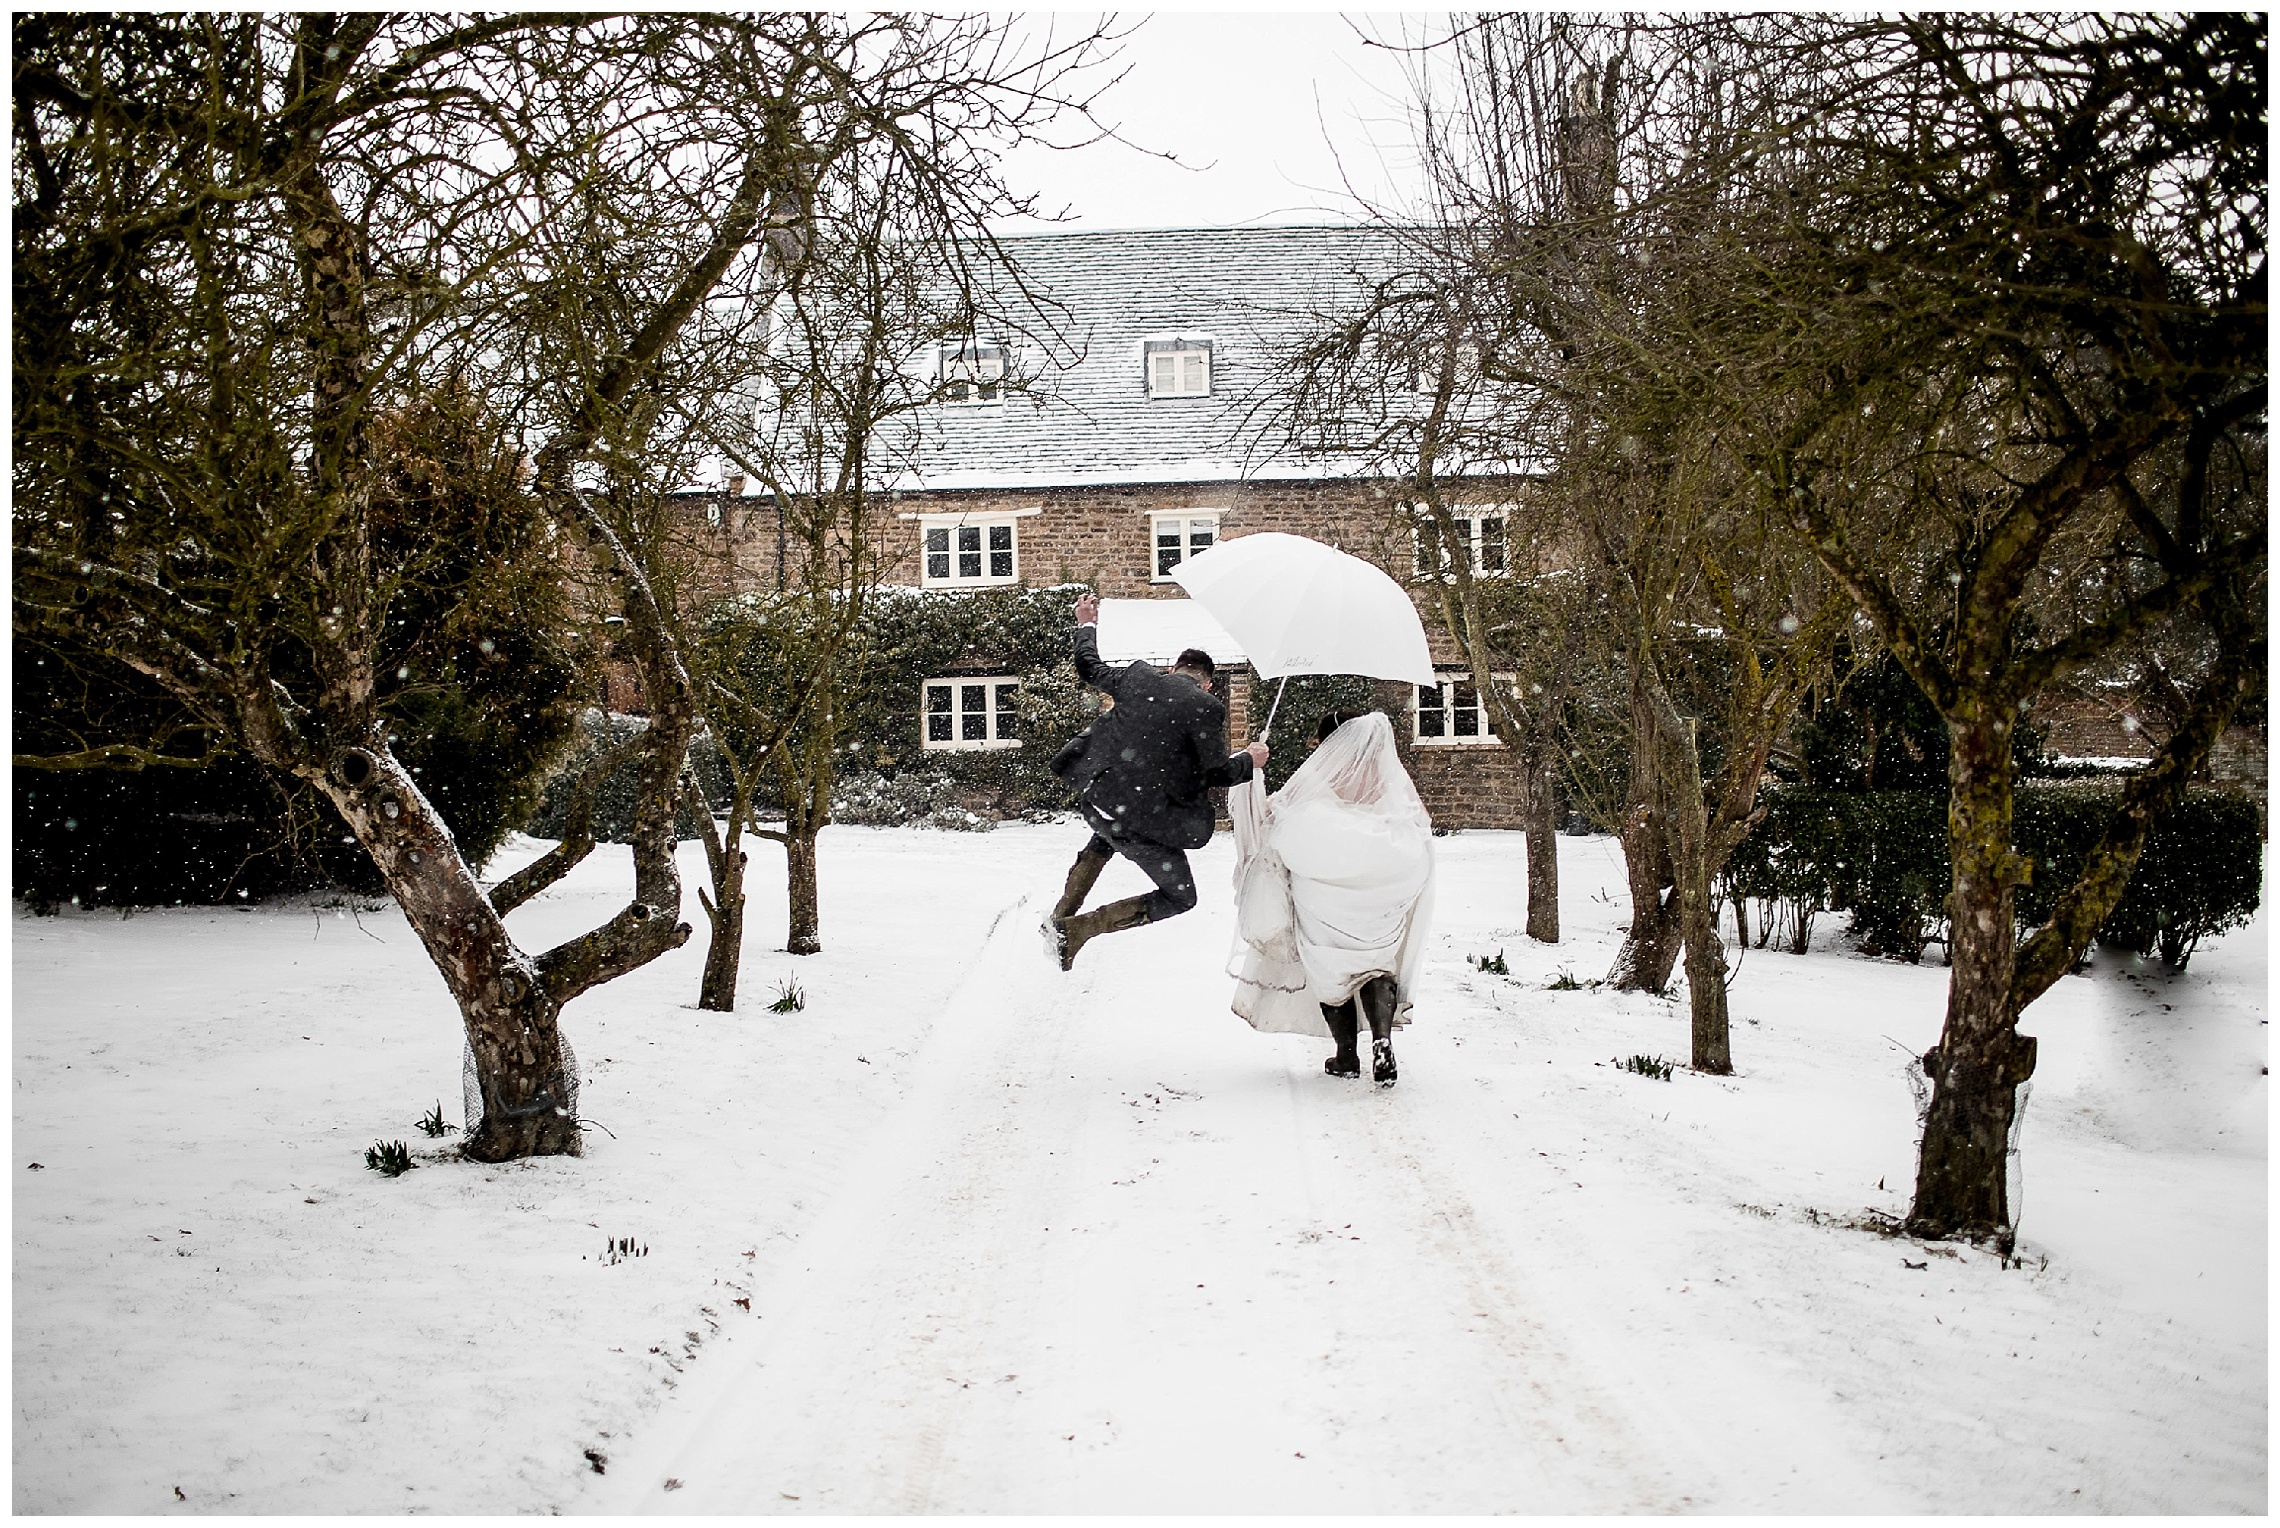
<point>886,777</point>
<point>1881,856</point>
<point>922,634</point>
<point>472,672</point>
<point>614,803</point>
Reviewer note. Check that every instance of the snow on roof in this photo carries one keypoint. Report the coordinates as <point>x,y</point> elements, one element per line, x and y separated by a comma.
<point>1157,631</point>
<point>1252,292</point>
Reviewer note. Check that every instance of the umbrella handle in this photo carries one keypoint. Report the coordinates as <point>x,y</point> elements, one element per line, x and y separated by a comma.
<point>1277,706</point>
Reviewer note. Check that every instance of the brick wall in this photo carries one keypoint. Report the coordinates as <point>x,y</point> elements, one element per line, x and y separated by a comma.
<point>1102,536</point>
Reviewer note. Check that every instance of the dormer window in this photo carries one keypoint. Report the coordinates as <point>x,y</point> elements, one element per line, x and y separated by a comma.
<point>1178,367</point>
<point>973,372</point>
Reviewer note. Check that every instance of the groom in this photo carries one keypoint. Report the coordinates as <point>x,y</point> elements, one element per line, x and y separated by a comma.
<point>1142,773</point>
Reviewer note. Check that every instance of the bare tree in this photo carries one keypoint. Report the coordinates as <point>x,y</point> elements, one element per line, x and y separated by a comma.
<point>1542,304</point>
<point>237,238</point>
<point>2005,370</point>
<point>896,281</point>
<point>1390,382</point>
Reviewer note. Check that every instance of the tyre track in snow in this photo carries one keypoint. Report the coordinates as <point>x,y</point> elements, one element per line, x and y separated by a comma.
<point>855,1388</point>
<point>1687,1422</point>
<point>1549,1434</point>
<point>1115,1252</point>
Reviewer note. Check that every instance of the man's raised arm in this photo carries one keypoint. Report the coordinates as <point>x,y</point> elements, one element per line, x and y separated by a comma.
<point>1089,667</point>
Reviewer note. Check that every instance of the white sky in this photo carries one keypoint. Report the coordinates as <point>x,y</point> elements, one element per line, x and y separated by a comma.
<point>1271,116</point>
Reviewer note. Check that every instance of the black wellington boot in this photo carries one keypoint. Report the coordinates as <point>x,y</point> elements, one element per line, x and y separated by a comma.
<point>1377,999</point>
<point>1345,1029</point>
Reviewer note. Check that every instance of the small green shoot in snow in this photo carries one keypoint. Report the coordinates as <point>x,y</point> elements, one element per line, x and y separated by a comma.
<point>390,1159</point>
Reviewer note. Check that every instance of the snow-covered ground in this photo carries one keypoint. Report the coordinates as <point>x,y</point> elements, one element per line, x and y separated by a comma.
<point>967,1234</point>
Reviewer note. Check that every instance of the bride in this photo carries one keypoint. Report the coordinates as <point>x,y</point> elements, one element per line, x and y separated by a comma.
<point>1334,894</point>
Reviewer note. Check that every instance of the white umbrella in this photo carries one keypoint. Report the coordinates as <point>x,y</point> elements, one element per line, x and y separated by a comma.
<point>1299,607</point>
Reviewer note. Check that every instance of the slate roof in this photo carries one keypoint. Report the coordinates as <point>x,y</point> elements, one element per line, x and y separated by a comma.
<point>1250,290</point>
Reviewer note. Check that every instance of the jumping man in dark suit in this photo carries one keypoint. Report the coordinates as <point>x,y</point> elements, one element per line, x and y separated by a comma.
<point>1142,775</point>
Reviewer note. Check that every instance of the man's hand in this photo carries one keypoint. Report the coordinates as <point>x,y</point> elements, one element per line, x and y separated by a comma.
<point>1088,610</point>
<point>1258,753</point>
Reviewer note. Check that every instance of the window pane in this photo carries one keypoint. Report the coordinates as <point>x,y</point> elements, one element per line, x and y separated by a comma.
<point>1167,546</point>
<point>974,727</point>
<point>1201,534</point>
<point>969,565</point>
<point>1463,544</point>
<point>938,565</point>
<point>973,697</point>
<point>938,729</point>
<point>1432,721</point>
<point>1008,699</point>
<point>969,538</point>
<point>938,539</point>
<point>1492,543</point>
<point>1194,378</point>
<point>1001,565</point>
<point>938,697</point>
<point>1162,376</point>
<point>1001,538</point>
<point>989,392</point>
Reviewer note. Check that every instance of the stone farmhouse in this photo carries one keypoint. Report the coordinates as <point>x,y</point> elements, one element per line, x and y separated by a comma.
<point>1114,469</point>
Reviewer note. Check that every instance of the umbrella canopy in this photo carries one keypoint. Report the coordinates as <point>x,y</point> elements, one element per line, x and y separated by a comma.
<point>1299,607</point>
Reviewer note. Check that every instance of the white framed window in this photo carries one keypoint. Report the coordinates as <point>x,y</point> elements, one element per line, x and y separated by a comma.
<point>1176,535</point>
<point>1179,367</point>
<point>1479,540</point>
<point>961,552</point>
<point>970,713</point>
<point>973,371</point>
<point>1454,713</point>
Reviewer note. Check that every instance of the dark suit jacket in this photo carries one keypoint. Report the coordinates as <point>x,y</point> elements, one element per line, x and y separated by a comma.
<point>1147,767</point>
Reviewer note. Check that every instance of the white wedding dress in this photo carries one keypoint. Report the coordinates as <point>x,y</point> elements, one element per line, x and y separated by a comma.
<point>1333,881</point>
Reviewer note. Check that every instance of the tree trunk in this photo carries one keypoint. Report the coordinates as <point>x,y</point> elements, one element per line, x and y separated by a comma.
<point>724,909</point>
<point>1981,1059</point>
<point>804,937</point>
<point>1651,946</point>
<point>1542,807</point>
<point>806,778</point>
<point>509,1013</point>
<point>1697,903</point>
<point>724,955</point>
<point>1705,963</point>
